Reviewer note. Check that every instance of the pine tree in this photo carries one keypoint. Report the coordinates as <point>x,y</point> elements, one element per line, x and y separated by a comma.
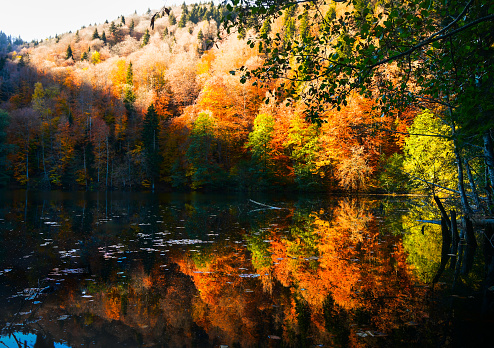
<point>150,133</point>
<point>84,55</point>
<point>200,35</point>
<point>68,53</point>
<point>96,34</point>
<point>145,38</point>
<point>172,19</point>
<point>103,37</point>
<point>113,28</point>
<point>77,38</point>
<point>131,27</point>
<point>123,19</point>
<point>129,78</point>
<point>182,21</point>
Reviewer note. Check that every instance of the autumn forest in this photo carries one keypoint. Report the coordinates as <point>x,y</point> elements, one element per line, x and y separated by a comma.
<point>122,105</point>
<point>251,173</point>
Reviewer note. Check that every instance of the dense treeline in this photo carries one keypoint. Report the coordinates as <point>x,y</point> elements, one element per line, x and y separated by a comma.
<point>124,105</point>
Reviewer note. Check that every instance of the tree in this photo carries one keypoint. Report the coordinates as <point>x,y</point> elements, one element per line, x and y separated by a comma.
<point>259,144</point>
<point>131,27</point>
<point>96,57</point>
<point>429,154</point>
<point>68,53</point>
<point>145,38</point>
<point>183,20</point>
<point>22,134</point>
<point>303,144</point>
<point>172,19</point>
<point>4,147</point>
<point>435,55</point>
<point>203,170</point>
<point>103,36</point>
<point>150,135</point>
<point>113,28</point>
<point>95,34</point>
<point>123,20</point>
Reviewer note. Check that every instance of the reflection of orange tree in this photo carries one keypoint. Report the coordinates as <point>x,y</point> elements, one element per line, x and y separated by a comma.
<point>363,273</point>
<point>228,304</point>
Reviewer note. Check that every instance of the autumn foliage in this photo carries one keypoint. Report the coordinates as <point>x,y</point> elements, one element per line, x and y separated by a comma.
<point>82,121</point>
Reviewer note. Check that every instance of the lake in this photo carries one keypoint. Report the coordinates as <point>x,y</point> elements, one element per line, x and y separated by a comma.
<point>113,269</point>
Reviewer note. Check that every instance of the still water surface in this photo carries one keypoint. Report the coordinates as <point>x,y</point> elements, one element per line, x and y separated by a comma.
<point>194,270</point>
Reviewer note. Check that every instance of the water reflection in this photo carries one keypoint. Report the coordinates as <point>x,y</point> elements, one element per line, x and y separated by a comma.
<point>137,269</point>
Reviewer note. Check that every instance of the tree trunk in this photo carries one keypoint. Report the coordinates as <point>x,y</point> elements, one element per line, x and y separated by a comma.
<point>473,186</point>
<point>461,186</point>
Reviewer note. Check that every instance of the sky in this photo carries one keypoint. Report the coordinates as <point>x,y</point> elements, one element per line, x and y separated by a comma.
<point>39,19</point>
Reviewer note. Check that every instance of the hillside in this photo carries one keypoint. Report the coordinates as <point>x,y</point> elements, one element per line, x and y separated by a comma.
<point>122,105</point>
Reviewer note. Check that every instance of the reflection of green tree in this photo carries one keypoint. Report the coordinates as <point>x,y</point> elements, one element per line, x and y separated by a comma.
<point>202,259</point>
<point>261,257</point>
<point>303,241</point>
<point>422,242</point>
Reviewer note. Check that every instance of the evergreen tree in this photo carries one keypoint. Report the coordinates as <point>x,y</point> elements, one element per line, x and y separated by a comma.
<point>84,55</point>
<point>182,21</point>
<point>77,38</point>
<point>129,96</point>
<point>123,19</point>
<point>103,37</point>
<point>113,28</point>
<point>200,35</point>
<point>145,38</point>
<point>165,32</point>
<point>95,34</point>
<point>150,133</point>
<point>129,78</point>
<point>131,27</point>
<point>172,19</point>
<point>68,53</point>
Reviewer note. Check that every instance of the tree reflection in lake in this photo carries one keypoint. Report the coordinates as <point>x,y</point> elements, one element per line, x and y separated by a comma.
<point>113,269</point>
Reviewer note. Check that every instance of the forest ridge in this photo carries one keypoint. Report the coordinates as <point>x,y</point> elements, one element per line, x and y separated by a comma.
<point>124,105</point>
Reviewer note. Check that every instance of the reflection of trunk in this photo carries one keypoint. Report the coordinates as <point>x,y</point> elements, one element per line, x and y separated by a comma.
<point>489,265</point>
<point>471,246</point>
<point>455,239</point>
<point>461,246</point>
<point>444,250</point>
